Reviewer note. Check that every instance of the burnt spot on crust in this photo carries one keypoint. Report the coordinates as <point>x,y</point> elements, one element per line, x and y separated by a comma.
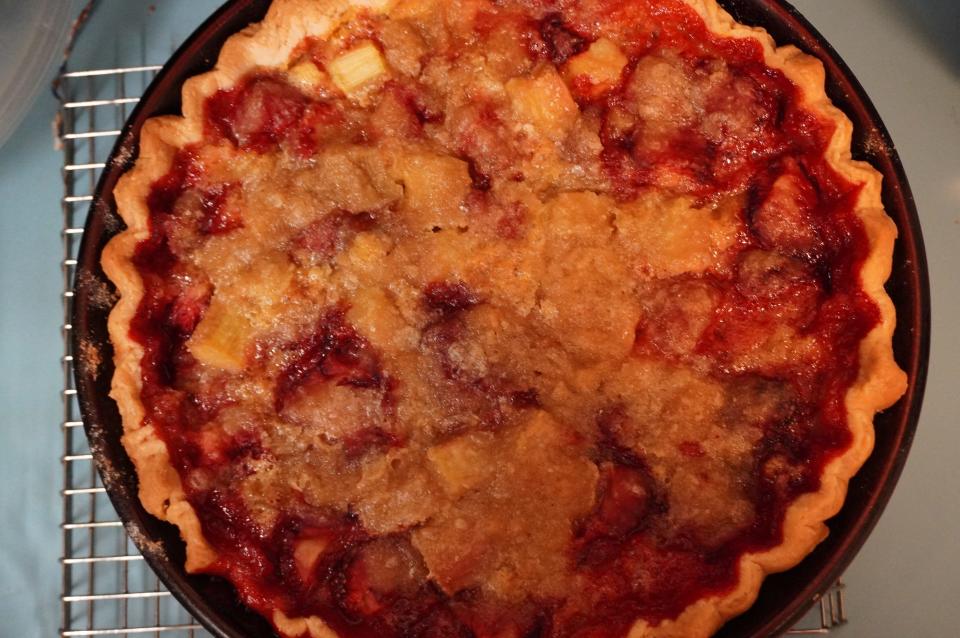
<point>89,359</point>
<point>100,293</point>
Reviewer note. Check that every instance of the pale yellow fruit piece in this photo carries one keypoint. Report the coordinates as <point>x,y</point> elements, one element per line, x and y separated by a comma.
<point>306,75</point>
<point>222,337</point>
<point>544,101</point>
<point>311,627</point>
<point>306,553</point>
<point>357,67</point>
<point>227,328</point>
<point>374,5</point>
<point>602,64</point>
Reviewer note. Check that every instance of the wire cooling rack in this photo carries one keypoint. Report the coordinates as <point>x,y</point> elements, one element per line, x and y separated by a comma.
<point>108,589</point>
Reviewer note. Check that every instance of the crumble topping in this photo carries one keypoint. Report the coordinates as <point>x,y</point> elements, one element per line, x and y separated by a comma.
<point>474,319</point>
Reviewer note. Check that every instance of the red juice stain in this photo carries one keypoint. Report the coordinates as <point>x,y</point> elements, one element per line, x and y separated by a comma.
<point>264,112</point>
<point>449,298</point>
<point>691,449</point>
<point>218,218</point>
<point>333,352</point>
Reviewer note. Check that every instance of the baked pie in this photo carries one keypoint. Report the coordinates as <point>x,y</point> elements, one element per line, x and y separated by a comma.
<point>500,318</point>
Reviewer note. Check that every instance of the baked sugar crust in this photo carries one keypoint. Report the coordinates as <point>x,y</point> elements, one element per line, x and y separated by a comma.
<point>269,44</point>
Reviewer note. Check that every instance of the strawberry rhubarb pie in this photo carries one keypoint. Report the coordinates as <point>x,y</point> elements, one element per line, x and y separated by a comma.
<point>500,318</point>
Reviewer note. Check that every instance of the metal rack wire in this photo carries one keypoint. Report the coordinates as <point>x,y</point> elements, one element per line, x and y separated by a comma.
<point>108,589</point>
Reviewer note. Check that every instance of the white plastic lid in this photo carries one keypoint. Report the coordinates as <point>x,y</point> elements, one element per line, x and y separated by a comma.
<point>32,37</point>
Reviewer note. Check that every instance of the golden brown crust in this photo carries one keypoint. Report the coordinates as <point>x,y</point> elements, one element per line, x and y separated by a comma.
<point>269,44</point>
<point>160,489</point>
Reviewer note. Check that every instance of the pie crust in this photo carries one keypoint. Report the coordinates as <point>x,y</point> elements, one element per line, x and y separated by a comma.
<point>269,45</point>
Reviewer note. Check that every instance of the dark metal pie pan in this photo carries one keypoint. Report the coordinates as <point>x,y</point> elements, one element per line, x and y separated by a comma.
<point>784,597</point>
